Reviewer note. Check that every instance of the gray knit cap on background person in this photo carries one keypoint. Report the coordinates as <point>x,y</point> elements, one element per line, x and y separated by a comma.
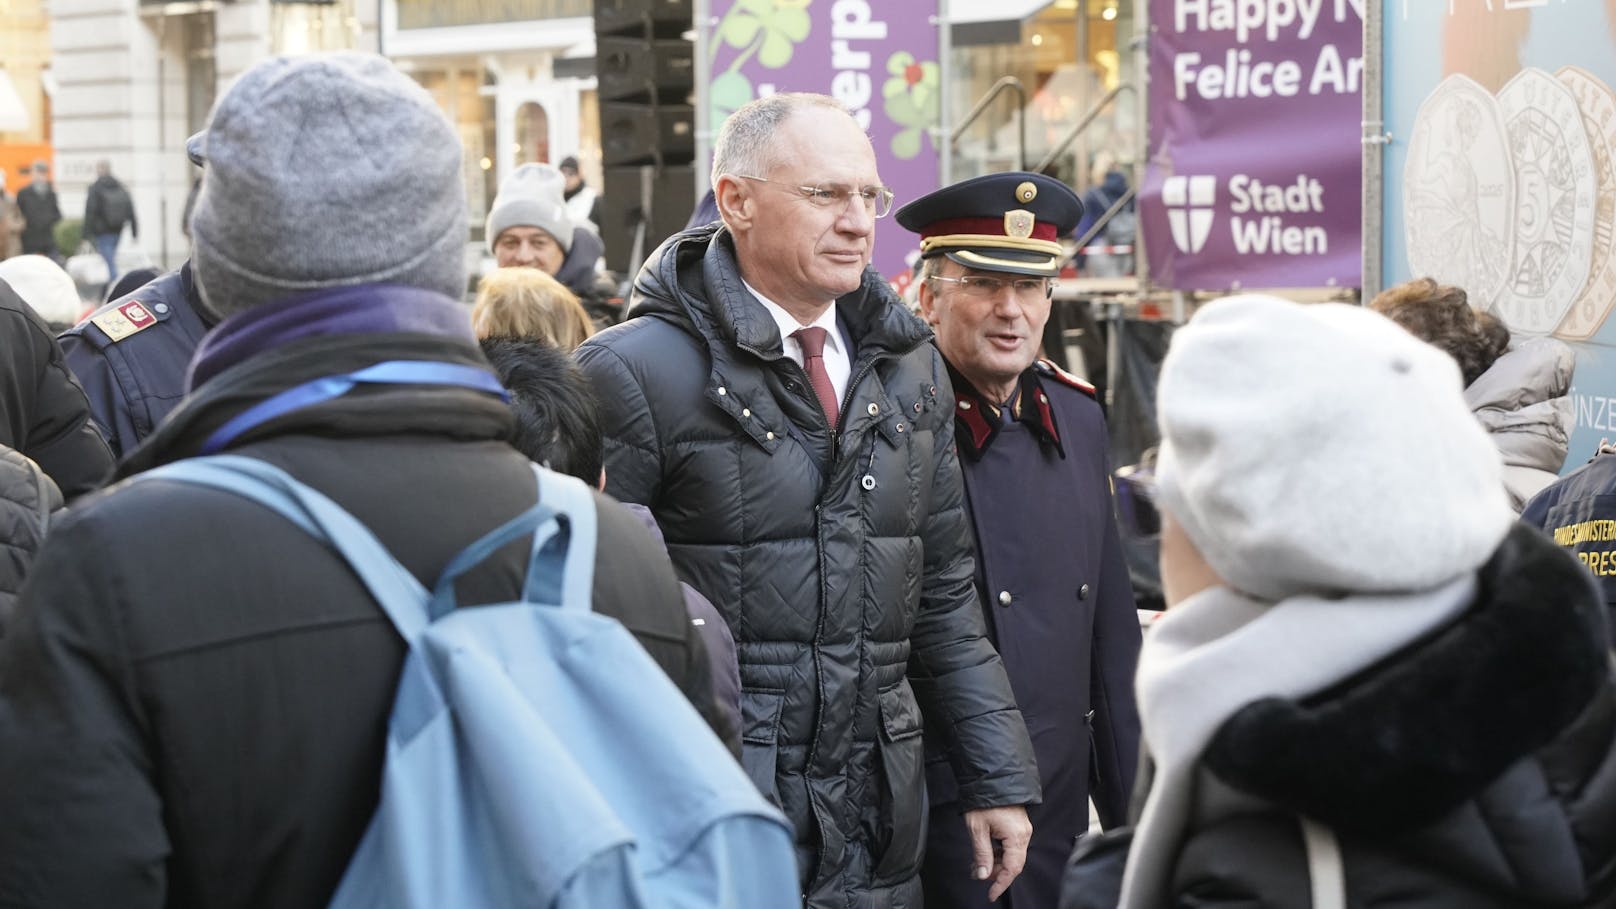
<point>1326,466</point>
<point>327,171</point>
<point>531,197</point>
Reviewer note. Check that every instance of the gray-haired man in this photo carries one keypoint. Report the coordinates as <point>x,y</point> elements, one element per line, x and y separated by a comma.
<point>790,425</point>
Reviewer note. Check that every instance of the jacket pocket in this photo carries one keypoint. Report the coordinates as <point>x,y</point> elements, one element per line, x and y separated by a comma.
<point>760,738</point>
<point>903,797</point>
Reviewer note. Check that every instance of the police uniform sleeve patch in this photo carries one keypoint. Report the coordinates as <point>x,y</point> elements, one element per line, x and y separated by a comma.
<point>124,320</point>
<point>1065,378</point>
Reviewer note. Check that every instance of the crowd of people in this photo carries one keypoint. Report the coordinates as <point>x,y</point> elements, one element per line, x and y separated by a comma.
<point>874,554</point>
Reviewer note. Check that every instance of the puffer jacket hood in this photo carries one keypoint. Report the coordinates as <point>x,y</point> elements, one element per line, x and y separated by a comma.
<point>1523,402</point>
<point>839,556</point>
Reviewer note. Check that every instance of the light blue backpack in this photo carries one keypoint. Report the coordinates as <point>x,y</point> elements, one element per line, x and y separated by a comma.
<point>536,756</point>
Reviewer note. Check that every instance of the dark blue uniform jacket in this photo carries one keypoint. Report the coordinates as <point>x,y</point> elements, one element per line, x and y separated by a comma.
<point>134,381</point>
<point>1579,512</point>
<point>1060,610</point>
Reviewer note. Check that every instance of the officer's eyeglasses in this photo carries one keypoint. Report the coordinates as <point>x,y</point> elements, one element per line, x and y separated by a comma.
<point>983,287</point>
<point>1136,502</point>
<point>877,199</point>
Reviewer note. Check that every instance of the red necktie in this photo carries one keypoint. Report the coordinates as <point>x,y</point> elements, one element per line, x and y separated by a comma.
<point>813,361</point>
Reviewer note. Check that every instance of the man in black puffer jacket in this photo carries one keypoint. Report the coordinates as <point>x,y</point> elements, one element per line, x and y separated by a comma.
<point>194,697</point>
<point>818,505</point>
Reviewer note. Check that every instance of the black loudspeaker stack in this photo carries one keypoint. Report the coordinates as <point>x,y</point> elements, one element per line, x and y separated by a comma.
<point>645,68</point>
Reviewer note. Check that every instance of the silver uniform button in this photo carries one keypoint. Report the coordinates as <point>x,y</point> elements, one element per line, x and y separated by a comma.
<point>874,408</point>
<point>769,436</point>
<point>161,308</point>
<point>722,391</point>
<point>900,427</point>
<point>868,482</point>
<point>1004,598</point>
<point>1083,592</point>
<point>745,412</point>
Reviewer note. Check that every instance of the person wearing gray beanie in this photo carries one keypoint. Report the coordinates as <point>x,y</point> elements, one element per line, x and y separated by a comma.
<point>529,227</point>
<point>530,197</point>
<point>195,693</point>
<point>1370,681</point>
<point>327,171</point>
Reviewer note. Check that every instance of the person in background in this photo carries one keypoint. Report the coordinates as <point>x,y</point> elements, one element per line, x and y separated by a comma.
<point>558,426</point>
<point>43,413</point>
<point>11,222</point>
<point>1372,686</point>
<point>1520,392</point>
<point>37,202</point>
<point>527,303</point>
<point>529,227</point>
<point>583,203</point>
<point>45,287</point>
<point>133,352</point>
<point>194,692</point>
<point>1049,562</point>
<point>1113,254</point>
<point>789,424</point>
<point>107,210</point>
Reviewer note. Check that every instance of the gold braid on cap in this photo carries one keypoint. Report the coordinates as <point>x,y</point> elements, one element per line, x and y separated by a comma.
<point>992,241</point>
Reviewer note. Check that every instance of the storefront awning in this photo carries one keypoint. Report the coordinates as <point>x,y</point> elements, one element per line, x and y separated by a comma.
<point>990,21</point>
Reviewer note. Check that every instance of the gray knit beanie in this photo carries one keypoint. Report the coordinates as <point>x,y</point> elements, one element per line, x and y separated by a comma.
<point>531,197</point>
<point>1322,449</point>
<point>327,171</point>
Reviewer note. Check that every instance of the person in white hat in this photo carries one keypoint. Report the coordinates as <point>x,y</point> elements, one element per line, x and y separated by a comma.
<point>1372,687</point>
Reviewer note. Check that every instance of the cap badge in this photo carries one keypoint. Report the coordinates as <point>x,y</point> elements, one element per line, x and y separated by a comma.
<point>1019,223</point>
<point>1026,192</point>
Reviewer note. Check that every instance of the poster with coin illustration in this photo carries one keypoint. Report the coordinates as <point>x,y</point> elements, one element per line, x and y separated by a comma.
<point>1597,104</point>
<point>1514,201</point>
<point>1459,190</point>
<point>1555,187</point>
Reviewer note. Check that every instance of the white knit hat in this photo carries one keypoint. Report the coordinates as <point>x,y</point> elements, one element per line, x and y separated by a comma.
<point>531,197</point>
<point>1321,449</point>
<point>45,287</point>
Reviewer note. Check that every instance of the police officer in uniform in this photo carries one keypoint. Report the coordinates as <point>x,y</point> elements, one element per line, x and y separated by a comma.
<point>131,354</point>
<point>1050,567</point>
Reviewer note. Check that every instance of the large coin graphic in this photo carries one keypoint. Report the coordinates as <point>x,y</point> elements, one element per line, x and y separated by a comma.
<point>1555,186</point>
<point>1598,106</point>
<point>1459,191</point>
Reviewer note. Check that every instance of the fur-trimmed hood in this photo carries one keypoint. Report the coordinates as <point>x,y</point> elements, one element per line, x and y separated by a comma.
<point>1406,741</point>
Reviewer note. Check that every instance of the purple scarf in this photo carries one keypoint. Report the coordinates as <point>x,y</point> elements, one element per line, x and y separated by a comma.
<point>363,309</point>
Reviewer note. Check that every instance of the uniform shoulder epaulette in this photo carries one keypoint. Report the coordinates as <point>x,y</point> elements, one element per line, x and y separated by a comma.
<point>124,319</point>
<point>1065,378</point>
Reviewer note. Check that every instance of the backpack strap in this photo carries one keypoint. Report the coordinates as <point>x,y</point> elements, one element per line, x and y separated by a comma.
<point>397,591</point>
<point>390,372</point>
<point>561,568</point>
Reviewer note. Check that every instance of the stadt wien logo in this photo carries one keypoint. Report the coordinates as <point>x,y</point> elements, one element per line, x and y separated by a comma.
<point>1189,201</point>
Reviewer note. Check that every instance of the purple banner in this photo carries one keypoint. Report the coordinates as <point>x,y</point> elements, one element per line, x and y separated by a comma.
<point>1255,163</point>
<point>883,67</point>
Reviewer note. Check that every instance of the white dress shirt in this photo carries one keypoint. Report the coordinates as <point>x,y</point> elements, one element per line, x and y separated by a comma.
<point>837,364</point>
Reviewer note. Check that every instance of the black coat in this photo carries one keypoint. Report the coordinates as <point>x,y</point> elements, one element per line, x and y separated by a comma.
<point>841,561</point>
<point>107,208</point>
<point>27,499</point>
<point>195,693</point>
<point>134,380</point>
<point>1060,611</point>
<point>43,411</point>
<point>1476,769</point>
<point>37,202</point>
